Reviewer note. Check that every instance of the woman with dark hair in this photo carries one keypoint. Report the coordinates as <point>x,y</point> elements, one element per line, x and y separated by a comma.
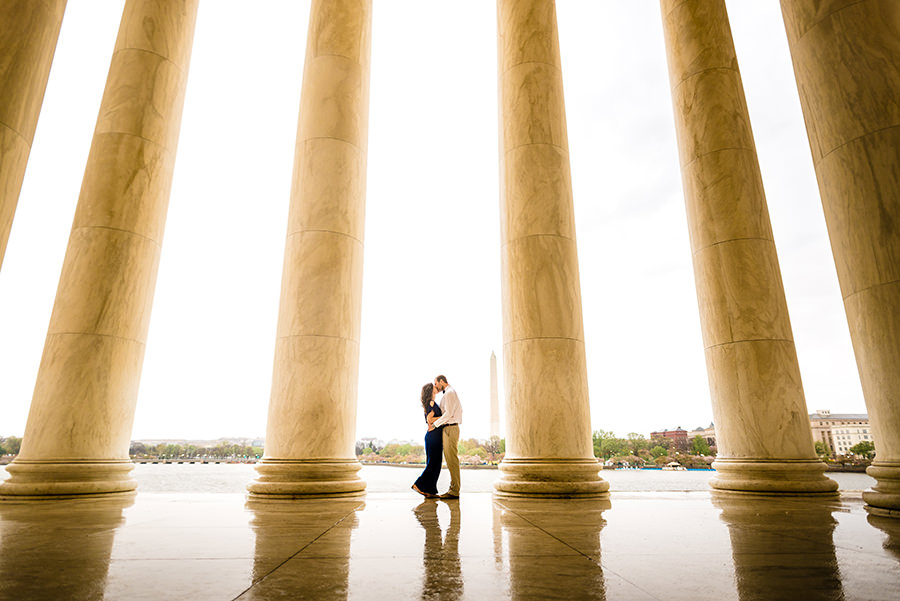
<point>426,485</point>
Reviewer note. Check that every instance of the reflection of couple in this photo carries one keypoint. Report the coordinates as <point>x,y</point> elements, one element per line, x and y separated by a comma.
<point>442,437</point>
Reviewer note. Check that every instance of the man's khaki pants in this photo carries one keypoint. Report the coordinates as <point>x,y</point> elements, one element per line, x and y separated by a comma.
<point>451,456</point>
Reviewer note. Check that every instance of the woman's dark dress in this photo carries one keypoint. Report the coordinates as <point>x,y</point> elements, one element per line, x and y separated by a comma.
<point>434,452</point>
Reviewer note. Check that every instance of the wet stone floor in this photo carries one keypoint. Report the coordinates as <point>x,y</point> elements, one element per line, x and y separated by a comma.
<point>641,546</point>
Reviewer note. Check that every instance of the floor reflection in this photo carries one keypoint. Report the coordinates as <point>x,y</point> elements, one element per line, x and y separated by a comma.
<point>442,577</point>
<point>553,547</point>
<point>302,548</point>
<point>891,528</point>
<point>783,548</point>
<point>58,549</point>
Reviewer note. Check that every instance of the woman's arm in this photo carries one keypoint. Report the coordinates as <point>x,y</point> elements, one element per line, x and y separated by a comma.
<point>430,418</point>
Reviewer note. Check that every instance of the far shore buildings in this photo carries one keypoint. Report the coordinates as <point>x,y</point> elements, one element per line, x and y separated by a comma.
<point>840,431</point>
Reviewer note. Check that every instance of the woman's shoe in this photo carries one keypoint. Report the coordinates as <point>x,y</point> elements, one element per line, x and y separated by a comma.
<point>416,488</point>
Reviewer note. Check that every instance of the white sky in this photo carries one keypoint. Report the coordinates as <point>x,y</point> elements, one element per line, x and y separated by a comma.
<point>432,165</point>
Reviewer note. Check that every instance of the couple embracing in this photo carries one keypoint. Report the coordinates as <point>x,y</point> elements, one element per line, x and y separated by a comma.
<point>442,438</point>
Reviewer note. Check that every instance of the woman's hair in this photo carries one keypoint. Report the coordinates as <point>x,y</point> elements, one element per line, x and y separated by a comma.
<point>427,396</point>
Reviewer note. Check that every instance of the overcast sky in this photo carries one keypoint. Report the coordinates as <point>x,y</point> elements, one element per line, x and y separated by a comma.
<point>432,210</point>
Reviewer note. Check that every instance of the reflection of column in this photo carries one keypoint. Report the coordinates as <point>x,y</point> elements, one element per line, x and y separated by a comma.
<point>312,411</point>
<point>71,540</point>
<point>78,431</point>
<point>848,75</point>
<point>548,447</point>
<point>495,400</point>
<point>891,528</point>
<point>283,529</point>
<point>27,42</point>
<point>762,427</point>
<point>442,574</point>
<point>782,548</point>
<point>541,539</point>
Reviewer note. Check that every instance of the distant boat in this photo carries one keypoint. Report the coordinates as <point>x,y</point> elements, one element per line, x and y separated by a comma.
<point>674,466</point>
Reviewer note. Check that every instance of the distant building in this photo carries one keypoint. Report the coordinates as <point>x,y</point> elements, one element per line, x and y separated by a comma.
<point>840,431</point>
<point>708,434</point>
<point>678,436</point>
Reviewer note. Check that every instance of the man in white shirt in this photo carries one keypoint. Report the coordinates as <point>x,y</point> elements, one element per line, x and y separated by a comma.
<point>451,417</point>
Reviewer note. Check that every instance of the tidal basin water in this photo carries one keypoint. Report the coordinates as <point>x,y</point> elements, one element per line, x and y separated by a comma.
<point>233,478</point>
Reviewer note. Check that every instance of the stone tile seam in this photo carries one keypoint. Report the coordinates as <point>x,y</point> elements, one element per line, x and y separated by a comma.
<point>353,340</point>
<point>117,229</point>
<point>554,537</point>
<point>350,60</point>
<point>125,338</point>
<point>529,338</point>
<point>165,148</point>
<point>17,132</point>
<point>721,242</point>
<point>872,287</point>
<point>515,240</point>
<point>828,16</point>
<point>508,69</point>
<point>717,150</point>
<point>857,139</point>
<point>605,568</point>
<point>596,562</point>
<point>322,231</point>
<point>564,149</point>
<point>685,79</point>
<point>712,346</point>
<point>336,139</point>
<point>181,69</point>
<point>299,551</point>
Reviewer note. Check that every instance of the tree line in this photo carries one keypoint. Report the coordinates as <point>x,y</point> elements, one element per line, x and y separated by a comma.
<point>10,445</point>
<point>169,451</point>
<point>471,451</point>
<point>636,450</point>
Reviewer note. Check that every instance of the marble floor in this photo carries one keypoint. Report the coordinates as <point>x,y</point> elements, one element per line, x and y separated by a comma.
<point>640,546</point>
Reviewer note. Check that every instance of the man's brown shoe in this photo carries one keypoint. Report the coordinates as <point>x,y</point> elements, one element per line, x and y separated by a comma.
<point>448,495</point>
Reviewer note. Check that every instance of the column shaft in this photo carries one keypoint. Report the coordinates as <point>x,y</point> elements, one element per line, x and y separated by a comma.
<point>846,57</point>
<point>549,450</point>
<point>762,428</point>
<point>28,33</point>
<point>79,427</point>
<point>312,411</point>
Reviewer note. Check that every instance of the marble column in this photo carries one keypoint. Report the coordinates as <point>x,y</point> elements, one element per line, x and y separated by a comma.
<point>28,37</point>
<point>310,437</point>
<point>495,399</point>
<point>762,429</point>
<point>846,56</point>
<point>548,446</point>
<point>79,427</point>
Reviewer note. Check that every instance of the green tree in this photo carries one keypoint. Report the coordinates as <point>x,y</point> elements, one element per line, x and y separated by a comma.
<point>864,449</point>
<point>699,446</point>
<point>389,450</point>
<point>821,449</point>
<point>12,445</point>
<point>637,442</point>
<point>658,451</point>
<point>606,444</point>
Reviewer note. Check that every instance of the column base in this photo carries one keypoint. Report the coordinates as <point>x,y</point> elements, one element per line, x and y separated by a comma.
<point>44,480</point>
<point>551,478</point>
<point>772,477</point>
<point>884,498</point>
<point>306,479</point>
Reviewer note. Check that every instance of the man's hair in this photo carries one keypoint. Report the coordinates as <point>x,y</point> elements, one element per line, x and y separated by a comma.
<point>442,379</point>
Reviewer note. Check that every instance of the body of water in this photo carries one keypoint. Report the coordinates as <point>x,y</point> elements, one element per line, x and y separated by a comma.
<point>233,478</point>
